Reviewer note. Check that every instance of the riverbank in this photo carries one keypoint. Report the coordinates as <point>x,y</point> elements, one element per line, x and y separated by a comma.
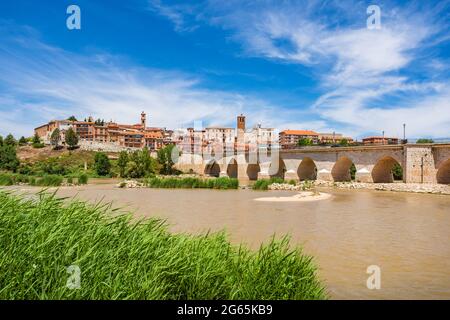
<point>54,246</point>
<point>396,187</point>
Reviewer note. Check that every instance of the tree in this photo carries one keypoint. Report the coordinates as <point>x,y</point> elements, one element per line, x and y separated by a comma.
<point>1,141</point>
<point>122,163</point>
<point>9,140</point>
<point>102,164</point>
<point>8,158</point>
<point>343,143</point>
<point>71,138</point>
<point>397,172</point>
<point>36,139</point>
<point>55,138</point>
<point>22,141</point>
<point>72,118</point>
<point>132,170</point>
<point>164,156</point>
<point>304,142</point>
<point>424,140</point>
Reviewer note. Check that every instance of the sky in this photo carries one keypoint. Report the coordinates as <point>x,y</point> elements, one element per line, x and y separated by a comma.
<point>312,65</point>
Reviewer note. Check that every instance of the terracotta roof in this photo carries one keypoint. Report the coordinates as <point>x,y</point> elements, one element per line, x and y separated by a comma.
<point>300,132</point>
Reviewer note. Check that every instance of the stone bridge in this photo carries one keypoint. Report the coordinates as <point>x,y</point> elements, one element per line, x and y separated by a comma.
<point>421,163</point>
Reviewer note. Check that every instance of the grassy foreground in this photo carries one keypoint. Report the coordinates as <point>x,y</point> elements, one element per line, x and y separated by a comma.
<point>121,259</point>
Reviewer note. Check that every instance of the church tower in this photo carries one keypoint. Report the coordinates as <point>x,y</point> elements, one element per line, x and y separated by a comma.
<point>143,120</point>
<point>240,128</point>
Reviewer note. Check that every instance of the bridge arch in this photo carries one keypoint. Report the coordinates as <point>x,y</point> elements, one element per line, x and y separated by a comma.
<point>307,169</point>
<point>443,173</point>
<point>382,171</point>
<point>232,168</point>
<point>252,171</point>
<point>277,169</point>
<point>341,169</point>
<point>212,169</point>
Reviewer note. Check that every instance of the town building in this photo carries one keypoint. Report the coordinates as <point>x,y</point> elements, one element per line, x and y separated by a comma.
<point>98,133</point>
<point>333,138</point>
<point>224,139</point>
<point>379,140</point>
<point>289,139</point>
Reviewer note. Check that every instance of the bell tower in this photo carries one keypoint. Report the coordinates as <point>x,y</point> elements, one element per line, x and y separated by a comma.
<point>143,120</point>
<point>240,128</point>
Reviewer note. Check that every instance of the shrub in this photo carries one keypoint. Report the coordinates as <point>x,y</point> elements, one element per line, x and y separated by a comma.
<point>263,184</point>
<point>102,164</point>
<point>123,259</point>
<point>70,180</point>
<point>191,183</point>
<point>5,179</point>
<point>292,182</point>
<point>50,180</point>
<point>83,178</point>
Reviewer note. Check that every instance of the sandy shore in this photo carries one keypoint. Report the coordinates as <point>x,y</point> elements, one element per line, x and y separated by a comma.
<point>300,197</point>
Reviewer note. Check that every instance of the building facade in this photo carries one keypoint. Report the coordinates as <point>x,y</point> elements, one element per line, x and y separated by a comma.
<point>379,141</point>
<point>289,138</point>
<point>134,136</point>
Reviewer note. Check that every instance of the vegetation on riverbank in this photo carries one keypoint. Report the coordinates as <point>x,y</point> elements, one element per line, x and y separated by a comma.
<point>192,183</point>
<point>121,259</point>
<point>263,184</point>
<point>47,180</point>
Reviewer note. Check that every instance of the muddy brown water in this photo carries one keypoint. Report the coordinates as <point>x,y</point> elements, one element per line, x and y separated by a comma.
<point>407,235</point>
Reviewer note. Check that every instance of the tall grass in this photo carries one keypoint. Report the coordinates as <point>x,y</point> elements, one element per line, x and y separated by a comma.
<point>48,181</point>
<point>191,183</point>
<point>263,184</point>
<point>8,179</point>
<point>122,259</point>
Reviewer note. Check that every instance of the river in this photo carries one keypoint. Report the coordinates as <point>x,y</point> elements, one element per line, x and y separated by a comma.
<point>407,235</point>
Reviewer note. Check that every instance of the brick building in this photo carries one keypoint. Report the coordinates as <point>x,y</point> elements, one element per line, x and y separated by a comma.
<point>122,135</point>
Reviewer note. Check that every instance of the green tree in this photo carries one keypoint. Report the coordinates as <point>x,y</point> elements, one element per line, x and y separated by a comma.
<point>164,157</point>
<point>71,138</point>
<point>102,164</point>
<point>36,139</point>
<point>8,158</point>
<point>9,140</point>
<point>132,170</point>
<point>72,118</point>
<point>343,143</point>
<point>424,140</point>
<point>22,141</point>
<point>122,163</point>
<point>55,138</point>
<point>397,172</point>
<point>304,142</point>
<point>353,171</point>
<point>1,141</point>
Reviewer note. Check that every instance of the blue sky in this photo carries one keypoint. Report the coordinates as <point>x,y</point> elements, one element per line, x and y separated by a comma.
<point>285,64</point>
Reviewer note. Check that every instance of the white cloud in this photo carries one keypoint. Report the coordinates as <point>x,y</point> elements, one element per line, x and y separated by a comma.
<point>364,74</point>
<point>39,82</point>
